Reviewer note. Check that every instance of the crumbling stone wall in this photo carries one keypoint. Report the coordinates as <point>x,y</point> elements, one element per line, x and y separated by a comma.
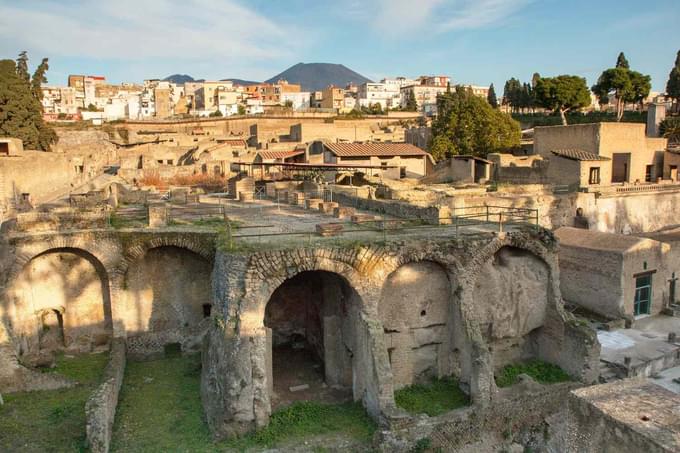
<point>60,301</point>
<point>235,388</point>
<point>100,409</point>
<point>163,298</point>
<point>510,300</point>
<point>415,310</point>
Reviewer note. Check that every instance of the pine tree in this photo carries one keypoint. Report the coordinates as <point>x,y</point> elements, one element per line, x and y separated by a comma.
<point>673,85</point>
<point>491,97</point>
<point>622,62</point>
<point>20,110</point>
<point>22,66</point>
<point>39,78</point>
<point>562,94</point>
<point>411,102</point>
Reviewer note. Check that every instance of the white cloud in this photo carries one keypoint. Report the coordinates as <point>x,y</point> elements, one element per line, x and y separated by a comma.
<point>404,17</point>
<point>129,29</point>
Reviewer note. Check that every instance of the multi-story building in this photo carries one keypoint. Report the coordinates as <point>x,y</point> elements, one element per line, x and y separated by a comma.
<point>298,100</point>
<point>333,98</point>
<point>434,81</point>
<point>59,100</point>
<point>85,88</point>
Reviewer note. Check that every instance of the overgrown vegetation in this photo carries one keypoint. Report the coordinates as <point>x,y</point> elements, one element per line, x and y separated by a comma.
<point>528,120</point>
<point>435,398</point>
<point>543,372</point>
<point>52,420</point>
<point>160,410</point>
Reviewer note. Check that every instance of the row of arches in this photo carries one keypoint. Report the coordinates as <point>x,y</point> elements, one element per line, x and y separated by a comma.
<point>63,299</point>
<point>312,320</point>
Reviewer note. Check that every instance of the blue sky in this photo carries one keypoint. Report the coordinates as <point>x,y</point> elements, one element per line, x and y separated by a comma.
<point>473,41</point>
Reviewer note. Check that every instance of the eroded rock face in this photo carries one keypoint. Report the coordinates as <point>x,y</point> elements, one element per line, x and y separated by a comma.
<point>511,294</point>
<point>415,309</point>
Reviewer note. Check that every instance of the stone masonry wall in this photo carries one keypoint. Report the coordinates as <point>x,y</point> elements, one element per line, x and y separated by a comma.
<point>100,409</point>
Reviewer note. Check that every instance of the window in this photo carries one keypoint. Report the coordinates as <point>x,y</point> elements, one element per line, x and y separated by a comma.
<point>169,161</point>
<point>643,295</point>
<point>594,177</point>
<point>648,173</point>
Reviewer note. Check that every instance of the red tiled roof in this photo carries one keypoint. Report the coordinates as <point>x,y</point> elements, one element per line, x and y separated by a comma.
<point>234,142</point>
<point>374,149</point>
<point>267,155</point>
<point>578,154</point>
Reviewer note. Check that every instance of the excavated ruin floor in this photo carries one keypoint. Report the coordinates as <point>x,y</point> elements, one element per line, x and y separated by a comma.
<point>296,368</point>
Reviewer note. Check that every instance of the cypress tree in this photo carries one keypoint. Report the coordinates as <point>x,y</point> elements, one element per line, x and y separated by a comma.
<point>491,97</point>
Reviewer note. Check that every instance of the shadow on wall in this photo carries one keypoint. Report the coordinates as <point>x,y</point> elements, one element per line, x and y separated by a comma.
<point>165,299</point>
<point>417,311</point>
<point>59,301</point>
<point>510,302</point>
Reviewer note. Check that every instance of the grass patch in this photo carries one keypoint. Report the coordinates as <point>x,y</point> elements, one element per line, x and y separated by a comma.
<point>160,410</point>
<point>435,398</point>
<point>52,420</point>
<point>545,373</point>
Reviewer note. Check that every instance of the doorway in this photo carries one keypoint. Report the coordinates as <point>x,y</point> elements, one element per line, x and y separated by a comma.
<point>643,295</point>
<point>310,321</point>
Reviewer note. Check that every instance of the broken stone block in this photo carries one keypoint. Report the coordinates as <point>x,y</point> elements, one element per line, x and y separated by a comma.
<point>245,197</point>
<point>342,212</point>
<point>327,207</point>
<point>329,229</point>
<point>296,198</point>
<point>361,218</point>
<point>313,203</point>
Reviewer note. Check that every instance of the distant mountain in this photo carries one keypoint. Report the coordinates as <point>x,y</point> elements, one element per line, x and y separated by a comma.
<point>243,83</point>
<point>317,76</point>
<point>179,78</point>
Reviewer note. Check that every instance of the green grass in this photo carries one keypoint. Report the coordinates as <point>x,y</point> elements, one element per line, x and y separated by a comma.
<point>435,398</point>
<point>51,420</point>
<point>545,373</point>
<point>160,410</point>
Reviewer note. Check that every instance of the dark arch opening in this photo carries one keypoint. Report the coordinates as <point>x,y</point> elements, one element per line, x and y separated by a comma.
<point>311,320</point>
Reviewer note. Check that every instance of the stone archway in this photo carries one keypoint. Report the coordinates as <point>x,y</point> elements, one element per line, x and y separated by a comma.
<point>165,298</point>
<point>60,300</point>
<point>311,321</point>
<point>416,312</point>
<point>512,294</point>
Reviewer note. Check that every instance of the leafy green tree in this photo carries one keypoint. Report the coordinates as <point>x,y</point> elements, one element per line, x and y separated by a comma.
<point>624,84</point>
<point>562,94</point>
<point>673,84</point>
<point>241,110</point>
<point>491,97</point>
<point>288,104</point>
<point>622,62</point>
<point>441,147</point>
<point>92,108</point>
<point>411,104</point>
<point>216,113</point>
<point>21,111</point>
<point>670,128</point>
<point>467,124</point>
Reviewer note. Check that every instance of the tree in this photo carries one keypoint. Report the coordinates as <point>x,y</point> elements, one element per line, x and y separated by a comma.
<point>673,84</point>
<point>670,128</point>
<point>622,62</point>
<point>241,110</point>
<point>288,104</point>
<point>622,83</point>
<point>562,94</point>
<point>512,93</point>
<point>22,66</point>
<point>92,108</point>
<point>21,111</point>
<point>491,97</point>
<point>467,124</point>
<point>411,104</point>
<point>216,113</point>
<point>39,78</point>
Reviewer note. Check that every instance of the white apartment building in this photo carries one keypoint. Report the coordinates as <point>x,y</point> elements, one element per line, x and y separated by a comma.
<point>300,100</point>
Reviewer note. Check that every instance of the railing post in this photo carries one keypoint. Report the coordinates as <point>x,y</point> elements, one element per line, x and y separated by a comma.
<point>487,213</point>
<point>500,222</point>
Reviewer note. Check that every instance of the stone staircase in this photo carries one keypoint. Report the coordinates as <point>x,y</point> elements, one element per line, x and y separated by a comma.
<point>608,373</point>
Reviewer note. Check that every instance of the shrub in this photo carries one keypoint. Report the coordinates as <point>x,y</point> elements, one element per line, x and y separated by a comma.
<point>545,373</point>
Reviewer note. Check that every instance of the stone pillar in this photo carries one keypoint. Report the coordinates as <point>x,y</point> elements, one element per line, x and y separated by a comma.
<point>158,215</point>
<point>269,362</point>
<point>655,115</point>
